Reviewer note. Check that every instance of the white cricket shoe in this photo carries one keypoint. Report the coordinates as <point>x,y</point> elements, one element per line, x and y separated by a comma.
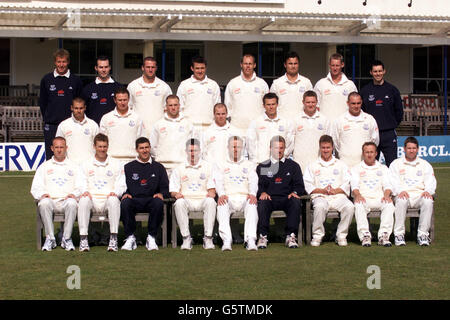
<point>367,240</point>
<point>251,244</point>
<point>113,246</point>
<point>187,243</point>
<point>208,243</point>
<point>342,242</point>
<point>150,244</point>
<point>49,244</point>
<point>423,240</point>
<point>67,244</point>
<point>130,243</point>
<point>291,241</point>
<point>384,240</point>
<point>226,246</point>
<point>315,242</point>
<point>84,245</point>
<point>262,242</point>
<point>400,240</point>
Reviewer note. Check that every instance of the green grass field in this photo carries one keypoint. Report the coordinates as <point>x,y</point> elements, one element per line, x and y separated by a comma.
<point>327,272</point>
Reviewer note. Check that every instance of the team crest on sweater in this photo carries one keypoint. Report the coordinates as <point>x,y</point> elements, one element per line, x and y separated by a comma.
<point>419,173</point>
<point>94,95</point>
<point>132,123</point>
<point>135,176</point>
<point>379,173</point>
<point>86,131</point>
<point>70,173</point>
<point>52,87</point>
<point>319,126</point>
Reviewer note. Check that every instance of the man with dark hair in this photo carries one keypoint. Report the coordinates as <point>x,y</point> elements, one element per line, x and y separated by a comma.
<point>372,189</point>
<point>148,94</point>
<point>243,94</point>
<point>332,91</point>
<point>192,185</point>
<point>57,90</point>
<point>79,132</point>
<point>146,187</point>
<point>280,185</point>
<point>198,95</point>
<point>327,180</point>
<point>99,94</point>
<point>123,126</point>
<point>414,185</point>
<point>290,87</point>
<point>101,191</point>
<point>382,100</point>
<point>266,126</point>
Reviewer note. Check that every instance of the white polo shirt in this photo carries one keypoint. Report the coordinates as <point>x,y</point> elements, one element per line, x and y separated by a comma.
<point>215,142</point>
<point>122,131</point>
<point>243,99</point>
<point>414,177</point>
<point>236,178</point>
<point>102,178</point>
<point>168,140</point>
<point>371,181</point>
<point>193,181</point>
<point>290,95</point>
<point>261,130</point>
<point>79,137</point>
<point>148,99</point>
<point>57,179</point>
<point>307,132</point>
<point>350,133</point>
<point>197,99</point>
<point>320,174</point>
<point>332,97</point>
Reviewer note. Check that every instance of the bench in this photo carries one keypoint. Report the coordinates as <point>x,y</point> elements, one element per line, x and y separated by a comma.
<point>21,122</point>
<point>413,214</point>
<point>306,207</point>
<point>99,217</point>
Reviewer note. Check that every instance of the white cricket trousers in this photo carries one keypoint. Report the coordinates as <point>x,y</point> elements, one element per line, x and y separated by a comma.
<point>110,205</point>
<point>321,205</point>
<point>426,210</point>
<point>386,218</point>
<point>233,205</point>
<point>182,207</point>
<point>48,206</point>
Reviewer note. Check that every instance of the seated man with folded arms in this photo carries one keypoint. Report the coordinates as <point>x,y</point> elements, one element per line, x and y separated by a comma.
<point>372,189</point>
<point>193,187</point>
<point>327,180</point>
<point>56,186</point>
<point>79,132</point>
<point>414,186</point>
<point>236,186</point>
<point>280,185</point>
<point>146,186</point>
<point>101,192</point>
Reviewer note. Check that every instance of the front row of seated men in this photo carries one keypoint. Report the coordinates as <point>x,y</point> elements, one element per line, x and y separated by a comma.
<point>276,184</point>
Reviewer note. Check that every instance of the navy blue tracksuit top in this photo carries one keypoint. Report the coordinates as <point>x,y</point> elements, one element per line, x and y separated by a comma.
<point>56,95</point>
<point>280,180</point>
<point>384,103</point>
<point>146,179</point>
<point>99,99</point>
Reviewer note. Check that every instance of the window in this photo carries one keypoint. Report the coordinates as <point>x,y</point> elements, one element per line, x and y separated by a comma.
<point>83,56</point>
<point>428,70</point>
<point>364,55</point>
<point>272,55</point>
<point>4,62</point>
